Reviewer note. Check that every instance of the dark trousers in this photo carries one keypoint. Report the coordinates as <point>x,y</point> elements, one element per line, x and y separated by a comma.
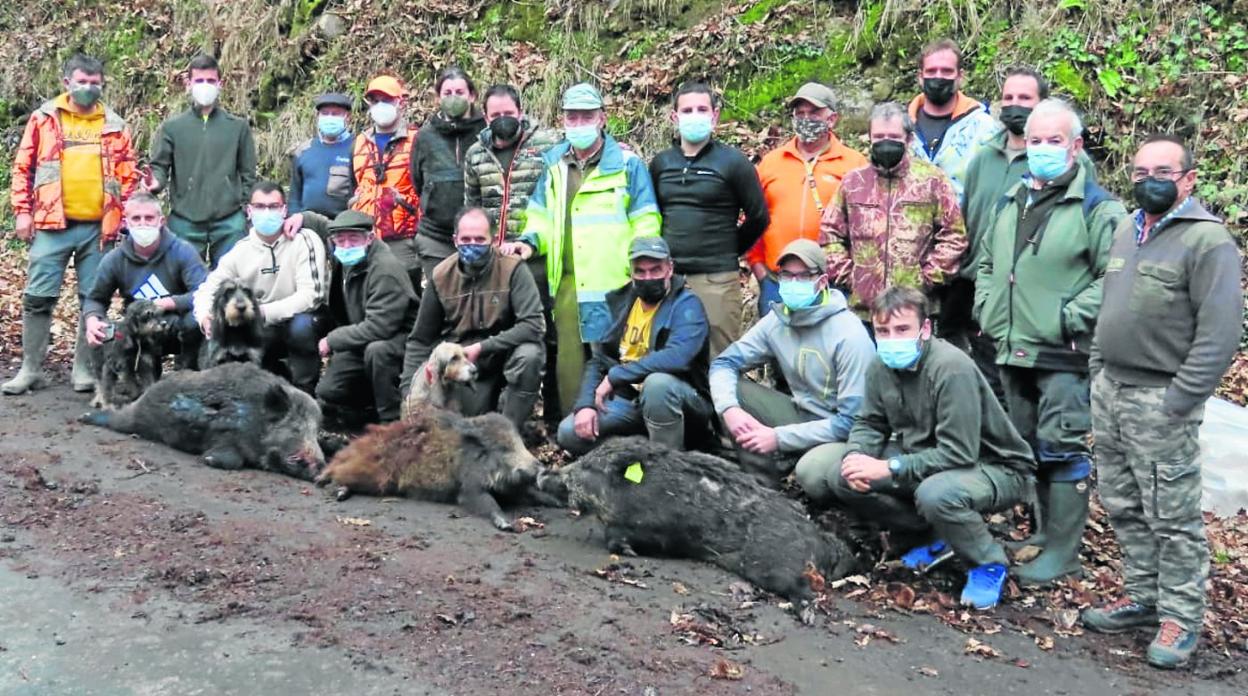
<point>295,341</point>
<point>358,377</point>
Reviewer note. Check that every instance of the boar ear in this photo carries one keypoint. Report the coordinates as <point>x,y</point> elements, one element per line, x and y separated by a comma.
<point>276,400</point>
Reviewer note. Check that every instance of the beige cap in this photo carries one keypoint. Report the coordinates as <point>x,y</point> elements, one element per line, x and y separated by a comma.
<point>818,94</point>
<point>808,252</point>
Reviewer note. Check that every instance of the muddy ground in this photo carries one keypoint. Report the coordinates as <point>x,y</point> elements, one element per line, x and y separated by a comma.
<point>128,568</point>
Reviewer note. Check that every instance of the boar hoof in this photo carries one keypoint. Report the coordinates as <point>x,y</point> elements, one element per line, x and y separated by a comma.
<point>620,548</point>
<point>502,525</point>
<point>343,493</point>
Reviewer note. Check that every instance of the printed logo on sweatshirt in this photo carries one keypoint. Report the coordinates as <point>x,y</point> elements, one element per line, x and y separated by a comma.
<point>150,289</point>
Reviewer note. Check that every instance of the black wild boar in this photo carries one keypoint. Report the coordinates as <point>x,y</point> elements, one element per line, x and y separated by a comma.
<point>657,501</point>
<point>236,415</point>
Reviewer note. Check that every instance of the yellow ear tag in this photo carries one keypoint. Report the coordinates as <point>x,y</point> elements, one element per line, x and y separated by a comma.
<point>633,472</point>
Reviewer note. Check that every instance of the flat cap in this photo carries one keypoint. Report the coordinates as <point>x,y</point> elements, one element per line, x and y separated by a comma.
<point>333,99</point>
<point>351,221</point>
<point>582,97</point>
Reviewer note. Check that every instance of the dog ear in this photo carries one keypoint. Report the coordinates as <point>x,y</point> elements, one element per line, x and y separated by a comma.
<point>276,400</point>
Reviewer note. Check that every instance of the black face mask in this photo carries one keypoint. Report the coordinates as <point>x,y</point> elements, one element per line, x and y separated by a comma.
<point>1155,196</point>
<point>505,128</point>
<point>1014,118</point>
<point>938,90</point>
<point>887,154</point>
<point>650,291</point>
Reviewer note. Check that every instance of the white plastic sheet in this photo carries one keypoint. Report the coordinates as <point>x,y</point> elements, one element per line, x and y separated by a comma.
<point>1224,457</point>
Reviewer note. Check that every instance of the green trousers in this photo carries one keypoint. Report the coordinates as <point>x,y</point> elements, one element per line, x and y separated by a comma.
<point>569,350</point>
<point>774,409</point>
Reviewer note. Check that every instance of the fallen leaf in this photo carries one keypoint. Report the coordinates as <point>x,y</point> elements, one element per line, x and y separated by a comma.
<point>355,521</point>
<point>725,669</point>
<point>1044,642</point>
<point>679,588</point>
<point>975,647</point>
<point>524,524</point>
<point>929,672</point>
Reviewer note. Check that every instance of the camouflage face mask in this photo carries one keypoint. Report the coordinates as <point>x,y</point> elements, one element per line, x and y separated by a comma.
<point>810,129</point>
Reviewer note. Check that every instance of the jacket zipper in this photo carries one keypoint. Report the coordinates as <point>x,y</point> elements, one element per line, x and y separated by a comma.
<point>1009,335</point>
<point>888,227</point>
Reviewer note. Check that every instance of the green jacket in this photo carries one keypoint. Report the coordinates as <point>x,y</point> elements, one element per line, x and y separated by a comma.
<point>1040,305</point>
<point>488,186</point>
<point>943,413</point>
<point>990,174</point>
<point>208,166</point>
<point>370,301</point>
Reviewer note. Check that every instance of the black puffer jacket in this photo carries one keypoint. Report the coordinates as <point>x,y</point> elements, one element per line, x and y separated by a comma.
<point>438,171</point>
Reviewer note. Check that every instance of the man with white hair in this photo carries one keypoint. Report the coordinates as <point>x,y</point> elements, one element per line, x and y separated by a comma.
<point>1037,295</point>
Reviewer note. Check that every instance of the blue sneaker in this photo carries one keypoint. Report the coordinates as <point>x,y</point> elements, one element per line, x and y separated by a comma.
<point>922,558</point>
<point>983,586</point>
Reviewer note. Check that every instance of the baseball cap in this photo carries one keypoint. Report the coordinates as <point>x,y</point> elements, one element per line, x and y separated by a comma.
<point>333,99</point>
<point>649,248</point>
<point>582,97</point>
<point>808,252</point>
<point>385,84</point>
<point>818,94</point>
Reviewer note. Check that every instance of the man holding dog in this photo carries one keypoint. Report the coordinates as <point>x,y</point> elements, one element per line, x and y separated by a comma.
<point>287,276</point>
<point>648,376</point>
<point>373,307</point>
<point>488,303</point>
<point>150,263</point>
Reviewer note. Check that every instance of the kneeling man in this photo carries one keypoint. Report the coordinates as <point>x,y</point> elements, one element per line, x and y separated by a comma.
<point>957,454</point>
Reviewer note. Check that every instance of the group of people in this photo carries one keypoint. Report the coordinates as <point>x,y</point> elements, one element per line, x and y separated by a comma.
<point>942,322</point>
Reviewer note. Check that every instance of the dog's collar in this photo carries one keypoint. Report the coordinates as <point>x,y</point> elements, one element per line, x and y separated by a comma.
<point>429,376</point>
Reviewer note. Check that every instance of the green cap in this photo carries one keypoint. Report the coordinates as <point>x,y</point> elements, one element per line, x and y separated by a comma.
<point>351,221</point>
<point>582,97</point>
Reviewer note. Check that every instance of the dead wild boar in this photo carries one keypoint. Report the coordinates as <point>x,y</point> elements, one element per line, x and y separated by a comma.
<point>236,415</point>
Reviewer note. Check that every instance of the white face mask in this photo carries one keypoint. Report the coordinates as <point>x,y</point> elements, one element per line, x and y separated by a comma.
<point>205,93</point>
<point>384,114</point>
<point>144,236</point>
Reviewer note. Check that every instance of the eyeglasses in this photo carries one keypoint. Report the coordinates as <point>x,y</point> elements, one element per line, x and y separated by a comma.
<point>786,276</point>
<point>1139,174</point>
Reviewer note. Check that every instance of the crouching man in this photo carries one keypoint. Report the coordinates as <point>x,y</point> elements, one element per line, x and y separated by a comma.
<point>958,455</point>
<point>489,304</point>
<point>823,352</point>
<point>649,373</point>
<point>373,307</point>
<point>150,263</point>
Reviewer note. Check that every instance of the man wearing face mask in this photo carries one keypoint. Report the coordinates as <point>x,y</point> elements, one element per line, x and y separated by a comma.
<point>381,160</point>
<point>72,170</point>
<point>206,158</point>
<point>321,179</point>
<point>822,351</point>
<point>704,188</point>
<point>1037,296</point>
<point>287,274</point>
<point>438,164</point>
<point>893,222</point>
<point>952,127</point>
<point>488,303</point>
<point>372,306</point>
<point>799,180</point>
<point>149,263</point>
<point>1169,326</point>
<point>593,199</point>
<point>648,376</point>
<point>931,450</point>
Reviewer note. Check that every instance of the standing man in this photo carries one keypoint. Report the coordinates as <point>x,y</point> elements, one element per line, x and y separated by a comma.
<point>955,456</point>
<point>149,263</point>
<point>799,180</point>
<point>713,209</point>
<point>893,222</point>
<point>321,179</point>
<point>73,170</point>
<point>438,164</point>
<point>373,306</point>
<point>1170,324</point>
<point>951,126</point>
<point>822,351</point>
<point>489,304</point>
<point>1038,295</point>
<point>381,160</point>
<point>649,375</point>
<point>206,158</point>
<point>593,199</point>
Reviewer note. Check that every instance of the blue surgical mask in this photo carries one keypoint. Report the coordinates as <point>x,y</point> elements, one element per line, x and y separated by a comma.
<point>798,294</point>
<point>694,127</point>
<point>898,353</point>
<point>331,126</point>
<point>267,222</point>
<point>473,255</point>
<point>581,137</point>
<point>1047,162</point>
<point>349,256</point>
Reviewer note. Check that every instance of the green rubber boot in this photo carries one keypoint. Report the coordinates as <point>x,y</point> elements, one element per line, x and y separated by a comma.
<point>36,328</point>
<point>1067,515</point>
<point>1039,514</point>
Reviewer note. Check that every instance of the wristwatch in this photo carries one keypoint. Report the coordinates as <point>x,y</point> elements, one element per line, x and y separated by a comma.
<point>894,466</point>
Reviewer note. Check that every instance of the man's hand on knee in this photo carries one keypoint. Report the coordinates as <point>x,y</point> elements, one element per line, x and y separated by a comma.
<point>861,471</point>
<point>585,424</point>
<point>739,422</point>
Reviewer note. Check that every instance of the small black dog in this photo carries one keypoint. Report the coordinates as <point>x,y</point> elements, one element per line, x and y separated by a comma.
<point>129,363</point>
<point>237,328</point>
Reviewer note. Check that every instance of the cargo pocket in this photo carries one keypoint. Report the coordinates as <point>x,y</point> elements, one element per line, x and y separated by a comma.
<point>340,182</point>
<point>1156,287</point>
<point>1176,488</point>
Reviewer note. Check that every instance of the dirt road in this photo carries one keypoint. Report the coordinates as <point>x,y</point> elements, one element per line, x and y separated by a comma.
<point>127,568</point>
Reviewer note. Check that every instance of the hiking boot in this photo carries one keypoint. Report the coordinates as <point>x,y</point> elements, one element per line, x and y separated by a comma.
<point>983,586</point>
<point>923,558</point>
<point>1119,616</point>
<point>1173,646</point>
<point>1063,522</point>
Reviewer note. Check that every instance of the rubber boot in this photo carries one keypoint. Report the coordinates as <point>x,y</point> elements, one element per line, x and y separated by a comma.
<point>36,327</point>
<point>1039,513</point>
<point>517,406</point>
<point>83,377</point>
<point>1068,513</point>
<point>671,434</point>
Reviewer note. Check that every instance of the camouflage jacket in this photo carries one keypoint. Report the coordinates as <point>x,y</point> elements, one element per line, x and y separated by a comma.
<point>900,230</point>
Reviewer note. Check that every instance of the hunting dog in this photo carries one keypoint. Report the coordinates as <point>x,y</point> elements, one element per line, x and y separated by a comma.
<point>446,365</point>
<point>128,363</point>
<point>237,328</point>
